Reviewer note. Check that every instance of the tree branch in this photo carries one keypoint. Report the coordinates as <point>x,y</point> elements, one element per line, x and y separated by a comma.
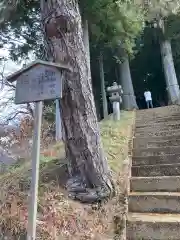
<point>30,109</point>
<point>15,115</point>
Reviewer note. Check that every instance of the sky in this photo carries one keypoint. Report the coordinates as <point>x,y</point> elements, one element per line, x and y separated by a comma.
<point>5,94</point>
<point>10,66</point>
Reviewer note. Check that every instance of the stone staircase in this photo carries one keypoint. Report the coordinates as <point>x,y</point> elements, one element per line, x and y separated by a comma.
<point>154,198</point>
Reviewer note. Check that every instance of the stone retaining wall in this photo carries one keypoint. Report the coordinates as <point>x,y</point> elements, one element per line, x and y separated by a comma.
<point>120,223</point>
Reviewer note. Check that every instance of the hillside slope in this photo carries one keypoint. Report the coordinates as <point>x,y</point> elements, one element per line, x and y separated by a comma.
<point>58,216</point>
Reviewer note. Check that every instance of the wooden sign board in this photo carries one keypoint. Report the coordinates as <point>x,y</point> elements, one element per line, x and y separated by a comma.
<point>38,83</point>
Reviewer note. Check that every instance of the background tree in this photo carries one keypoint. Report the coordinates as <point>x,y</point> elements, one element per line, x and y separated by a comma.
<point>149,74</point>
<point>157,13</point>
<point>116,26</point>
<point>133,24</point>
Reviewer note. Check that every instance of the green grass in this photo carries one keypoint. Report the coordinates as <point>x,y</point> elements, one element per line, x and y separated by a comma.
<point>115,136</point>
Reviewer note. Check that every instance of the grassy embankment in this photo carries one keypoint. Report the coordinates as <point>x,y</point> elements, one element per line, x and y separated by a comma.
<point>59,217</point>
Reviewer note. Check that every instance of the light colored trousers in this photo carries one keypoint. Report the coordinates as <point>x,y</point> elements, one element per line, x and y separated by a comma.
<point>149,104</point>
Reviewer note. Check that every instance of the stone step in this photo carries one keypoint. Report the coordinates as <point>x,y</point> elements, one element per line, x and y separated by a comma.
<point>154,160</point>
<point>156,170</point>
<point>156,125</point>
<point>145,143</point>
<point>158,128</point>
<point>157,114</point>
<point>168,124</point>
<point>158,134</point>
<point>156,138</point>
<point>154,202</point>
<point>156,151</point>
<point>165,119</point>
<point>152,184</point>
<point>169,108</point>
<point>143,226</point>
<point>157,120</point>
<point>162,111</point>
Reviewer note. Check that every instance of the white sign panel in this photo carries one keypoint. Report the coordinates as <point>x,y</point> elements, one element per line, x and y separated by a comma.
<point>39,83</point>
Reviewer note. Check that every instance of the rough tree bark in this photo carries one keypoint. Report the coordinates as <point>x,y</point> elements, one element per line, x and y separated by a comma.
<point>169,72</point>
<point>103,88</point>
<point>90,176</point>
<point>129,100</point>
<point>168,65</point>
<point>86,41</point>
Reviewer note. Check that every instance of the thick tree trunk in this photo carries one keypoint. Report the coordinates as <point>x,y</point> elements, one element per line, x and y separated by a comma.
<point>169,72</point>
<point>90,175</point>
<point>86,41</point>
<point>103,88</point>
<point>129,100</point>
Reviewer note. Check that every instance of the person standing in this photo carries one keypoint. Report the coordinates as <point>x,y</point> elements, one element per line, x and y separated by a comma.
<point>148,98</point>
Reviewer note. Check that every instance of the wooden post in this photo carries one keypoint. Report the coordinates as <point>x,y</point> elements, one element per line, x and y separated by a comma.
<point>32,214</point>
<point>58,121</point>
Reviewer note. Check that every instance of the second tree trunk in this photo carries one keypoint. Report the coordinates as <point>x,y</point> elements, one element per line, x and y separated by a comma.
<point>129,100</point>
<point>103,87</point>
<point>169,72</point>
